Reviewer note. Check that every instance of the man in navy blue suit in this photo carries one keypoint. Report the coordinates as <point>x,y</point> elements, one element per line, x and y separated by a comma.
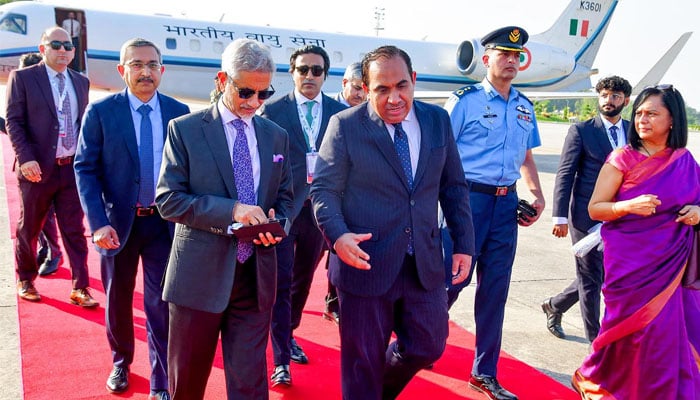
<point>585,149</point>
<point>116,167</point>
<point>383,168</point>
<point>304,114</point>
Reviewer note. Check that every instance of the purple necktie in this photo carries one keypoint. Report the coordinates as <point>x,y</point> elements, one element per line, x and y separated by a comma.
<point>146,189</point>
<point>401,144</point>
<point>243,176</point>
<point>69,139</point>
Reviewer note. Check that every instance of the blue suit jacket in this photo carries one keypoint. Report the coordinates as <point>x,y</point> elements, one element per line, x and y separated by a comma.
<point>585,150</point>
<point>360,187</point>
<point>196,189</point>
<point>283,111</point>
<point>107,162</point>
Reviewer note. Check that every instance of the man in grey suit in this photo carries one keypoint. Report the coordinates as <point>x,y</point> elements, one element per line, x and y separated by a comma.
<point>383,168</point>
<point>116,168</point>
<point>304,114</point>
<point>221,165</point>
<point>585,149</point>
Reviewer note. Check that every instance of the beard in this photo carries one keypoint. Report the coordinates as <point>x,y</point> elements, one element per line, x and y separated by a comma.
<point>611,112</point>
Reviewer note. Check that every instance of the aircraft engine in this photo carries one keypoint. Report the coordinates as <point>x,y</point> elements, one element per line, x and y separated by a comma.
<point>539,62</point>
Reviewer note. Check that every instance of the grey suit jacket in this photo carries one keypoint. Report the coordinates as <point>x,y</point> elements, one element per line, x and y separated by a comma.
<point>196,190</point>
<point>585,150</point>
<point>360,187</point>
<point>107,162</point>
<point>283,111</point>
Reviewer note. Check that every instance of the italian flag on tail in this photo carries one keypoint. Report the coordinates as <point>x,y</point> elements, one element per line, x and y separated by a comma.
<point>574,27</point>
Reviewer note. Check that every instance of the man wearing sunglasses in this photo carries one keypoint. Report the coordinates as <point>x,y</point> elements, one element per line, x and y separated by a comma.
<point>220,165</point>
<point>304,114</point>
<point>121,142</point>
<point>45,106</point>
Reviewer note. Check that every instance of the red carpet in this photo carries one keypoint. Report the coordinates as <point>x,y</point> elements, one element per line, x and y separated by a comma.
<point>65,354</point>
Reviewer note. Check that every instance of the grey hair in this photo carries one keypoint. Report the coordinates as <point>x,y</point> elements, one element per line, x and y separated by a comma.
<point>137,42</point>
<point>353,71</point>
<point>246,55</point>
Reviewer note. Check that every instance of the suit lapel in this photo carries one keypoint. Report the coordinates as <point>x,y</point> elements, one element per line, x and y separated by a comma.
<point>326,113</point>
<point>42,78</point>
<point>214,135</point>
<point>601,137</point>
<point>122,108</point>
<point>425,120</point>
<point>297,134</point>
<point>78,92</point>
<point>380,134</point>
<point>265,152</point>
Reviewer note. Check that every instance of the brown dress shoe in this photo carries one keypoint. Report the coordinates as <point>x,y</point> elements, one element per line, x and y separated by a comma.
<point>27,291</point>
<point>490,387</point>
<point>82,298</point>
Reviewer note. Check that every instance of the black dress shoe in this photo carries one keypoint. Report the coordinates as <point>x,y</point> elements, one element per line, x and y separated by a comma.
<point>297,353</point>
<point>281,376</point>
<point>118,380</point>
<point>490,387</point>
<point>553,319</point>
<point>49,266</point>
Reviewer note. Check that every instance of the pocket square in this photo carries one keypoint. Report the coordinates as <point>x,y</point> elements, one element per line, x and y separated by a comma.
<point>277,158</point>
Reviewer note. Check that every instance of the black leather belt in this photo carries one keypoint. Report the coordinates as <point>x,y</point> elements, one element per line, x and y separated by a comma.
<point>146,211</point>
<point>492,190</point>
<point>64,161</point>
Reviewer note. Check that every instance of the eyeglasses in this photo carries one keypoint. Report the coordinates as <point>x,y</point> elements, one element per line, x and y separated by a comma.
<point>245,93</point>
<point>614,96</point>
<point>139,66</point>
<point>56,45</point>
<point>317,70</point>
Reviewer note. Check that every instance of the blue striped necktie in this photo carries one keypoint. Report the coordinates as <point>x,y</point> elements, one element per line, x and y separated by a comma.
<point>401,145</point>
<point>146,189</point>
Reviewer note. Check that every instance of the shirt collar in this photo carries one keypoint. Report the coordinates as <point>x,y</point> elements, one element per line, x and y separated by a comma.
<point>227,116</point>
<point>492,93</point>
<point>301,99</point>
<point>135,102</point>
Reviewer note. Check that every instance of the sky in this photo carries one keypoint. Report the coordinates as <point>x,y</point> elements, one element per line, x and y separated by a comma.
<point>639,34</point>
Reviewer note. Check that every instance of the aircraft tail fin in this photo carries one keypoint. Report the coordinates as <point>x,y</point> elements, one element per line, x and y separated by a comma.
<point>653,77</point>
<point>579,30</point>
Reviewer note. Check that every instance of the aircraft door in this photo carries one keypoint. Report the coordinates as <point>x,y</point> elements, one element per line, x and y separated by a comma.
<point>73,21</point>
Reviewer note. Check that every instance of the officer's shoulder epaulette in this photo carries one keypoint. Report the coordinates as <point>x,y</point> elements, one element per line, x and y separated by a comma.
<point>521,94</point>
<point>464,90</point>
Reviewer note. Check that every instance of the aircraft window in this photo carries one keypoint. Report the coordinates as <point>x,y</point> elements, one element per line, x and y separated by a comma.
<point>195,45</point>
<point>170,44</point>
<point>337,57</point>
<point>16,23</point>
<point>218,47</point>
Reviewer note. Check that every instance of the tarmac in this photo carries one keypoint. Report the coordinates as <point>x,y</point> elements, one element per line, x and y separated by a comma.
<point>544,265</point>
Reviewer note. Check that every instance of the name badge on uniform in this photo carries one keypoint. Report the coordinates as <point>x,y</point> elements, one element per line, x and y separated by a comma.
<point>311,158</point>
<point>61,123</point>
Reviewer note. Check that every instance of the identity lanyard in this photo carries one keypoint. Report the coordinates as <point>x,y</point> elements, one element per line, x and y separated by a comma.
<point>61,96</point>
<point>310,131</point>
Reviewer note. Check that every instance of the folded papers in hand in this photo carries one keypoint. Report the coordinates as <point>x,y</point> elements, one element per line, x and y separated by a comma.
<point>589,242</point>
<point>277,227</point>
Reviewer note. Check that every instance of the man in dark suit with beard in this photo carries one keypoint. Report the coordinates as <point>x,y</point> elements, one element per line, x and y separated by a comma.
<point>585,149</point>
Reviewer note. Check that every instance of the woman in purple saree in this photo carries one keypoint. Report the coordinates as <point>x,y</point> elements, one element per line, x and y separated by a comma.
<point>649,195</point>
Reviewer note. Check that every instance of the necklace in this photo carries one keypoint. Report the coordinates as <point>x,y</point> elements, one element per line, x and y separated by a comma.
<point>645,149</point>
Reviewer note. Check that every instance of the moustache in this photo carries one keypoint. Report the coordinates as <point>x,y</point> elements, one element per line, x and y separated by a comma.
<point>145,80</point>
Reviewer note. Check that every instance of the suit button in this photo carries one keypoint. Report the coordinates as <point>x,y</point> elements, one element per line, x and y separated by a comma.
<point>413,202</point>
<point>407,230</point>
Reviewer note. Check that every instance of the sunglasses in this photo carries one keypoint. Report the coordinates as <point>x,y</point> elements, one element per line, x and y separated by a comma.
<point>56,45</point>
<point>317,70</point>
<point>245,93</point>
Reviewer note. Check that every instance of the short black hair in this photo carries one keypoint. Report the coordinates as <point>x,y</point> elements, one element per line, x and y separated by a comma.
<point>383,52</point>
<point>313,49</point>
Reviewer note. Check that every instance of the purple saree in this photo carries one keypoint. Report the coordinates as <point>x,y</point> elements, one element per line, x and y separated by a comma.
<point>649,342</point>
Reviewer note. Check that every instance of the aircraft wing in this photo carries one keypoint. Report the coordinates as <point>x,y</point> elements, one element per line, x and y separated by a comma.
<point>653,77</point>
